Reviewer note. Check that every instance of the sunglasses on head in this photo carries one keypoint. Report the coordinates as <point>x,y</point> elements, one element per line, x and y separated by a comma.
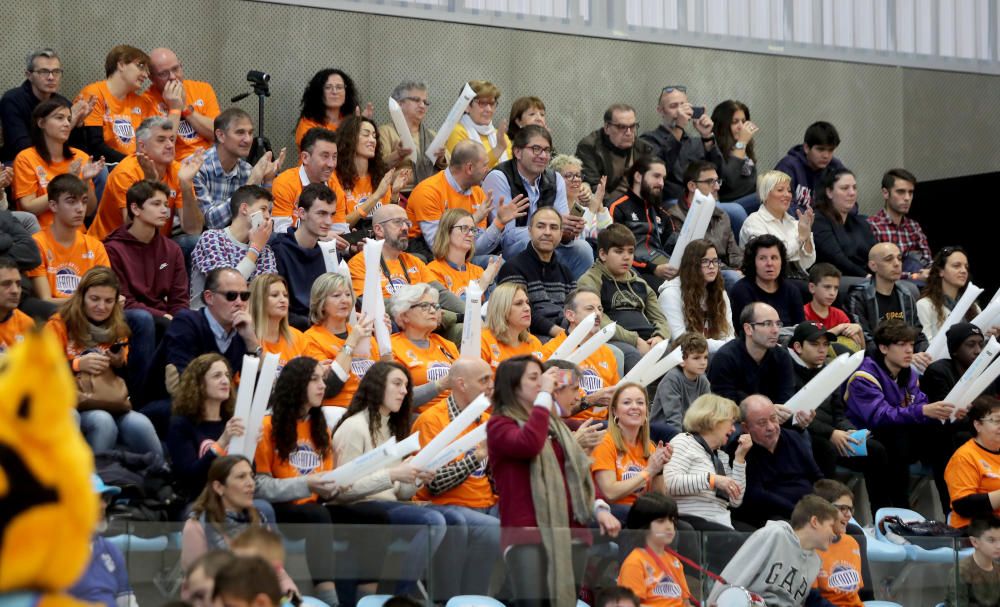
<point>232,295</point>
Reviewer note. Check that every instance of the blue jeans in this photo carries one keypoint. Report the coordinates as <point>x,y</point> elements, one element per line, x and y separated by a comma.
<point>737,215</point>
<point>577,255</point>
<point>630,353</point>
<point>103,432</point>
<point>469,552</point>
<point>423,544</point>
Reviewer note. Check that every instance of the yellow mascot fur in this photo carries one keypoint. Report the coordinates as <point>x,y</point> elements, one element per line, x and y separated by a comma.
<point>48,510</point>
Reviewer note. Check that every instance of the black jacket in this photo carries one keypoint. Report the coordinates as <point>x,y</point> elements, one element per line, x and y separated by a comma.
<point>735,375</point>
<point>547,283</point>
<point>862,307</point>
<point>678,155</point>
<point>16,244</point>
<point>845,246</point>
<point>597,155</point>
<point>650,225</point>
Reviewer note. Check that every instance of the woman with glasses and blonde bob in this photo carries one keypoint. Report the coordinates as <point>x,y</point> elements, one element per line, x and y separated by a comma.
<point>269,310</point>
<point>508,317</point>
<point>426,355</point>
<point>696,299</point>
<point>333,338</point>
<point>582,202</point>
<point>454,246</point>
<point>477,124</point>
<point>774,189</point>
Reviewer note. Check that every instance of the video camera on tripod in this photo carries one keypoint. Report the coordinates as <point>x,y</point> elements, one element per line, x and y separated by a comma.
<point>259,84</point>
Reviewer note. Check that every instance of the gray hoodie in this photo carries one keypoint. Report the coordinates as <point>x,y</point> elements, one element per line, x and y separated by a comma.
<point>773,564</point>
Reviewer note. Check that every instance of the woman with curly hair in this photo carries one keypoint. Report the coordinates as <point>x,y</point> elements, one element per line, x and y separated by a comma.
<point>360,167</point>
<point>269,311</point>
<point>329,97</point>
<point>946,283</point>
<point>696,299</point>
<point>202,424</point>
<point>379,412</point>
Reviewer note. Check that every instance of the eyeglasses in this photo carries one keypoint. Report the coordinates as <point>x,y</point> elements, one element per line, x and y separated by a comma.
<point>674,87</point>
<point>334,88</point>
<point>176,71</point>
<point>844,508</point>
<point>418,101</point>
<point>464,229</point>
<point>708,262</point>
<point>538,150</point>
<point>573,176</point>
<point>46,73</point>
<point>427,306</point>
<point>233,295</point>
<point>991,420</point>
<point>768,324</point>
<point>398,221</point>
<point>625,127</point>
<point>717,182</point>
<point>485,102</point>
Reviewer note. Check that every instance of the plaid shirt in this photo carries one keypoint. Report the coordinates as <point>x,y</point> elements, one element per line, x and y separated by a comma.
<point>213,187</point>
<point>908,235</point>
<point>453,474</point>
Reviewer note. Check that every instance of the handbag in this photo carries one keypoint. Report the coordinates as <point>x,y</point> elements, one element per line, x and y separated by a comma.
<point>891,526</point>
<point>104,391</point>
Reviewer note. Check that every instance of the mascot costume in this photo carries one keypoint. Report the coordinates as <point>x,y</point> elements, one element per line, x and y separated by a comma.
<point>48,509</point>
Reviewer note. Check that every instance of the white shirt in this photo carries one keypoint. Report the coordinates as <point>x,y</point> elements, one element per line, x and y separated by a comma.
<point>786,229</point>
<point>672,304</point>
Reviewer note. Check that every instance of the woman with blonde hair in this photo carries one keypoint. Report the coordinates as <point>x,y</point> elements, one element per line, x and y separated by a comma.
<point>477,124</point>
<point>699,474</point>
<point>582,202</point>
<point>454,246</point>
<point>774,189</point>
<point>268,305</point>
<point>508,317</point>
<point>333,338</point>
<point>696,299</point>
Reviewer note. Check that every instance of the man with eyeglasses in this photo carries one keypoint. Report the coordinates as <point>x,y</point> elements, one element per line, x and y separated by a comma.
<point>702,176</point>
<point>611,149</point>
<point>190,104</point>
<point>756,364</point>
<point>671,142</point>
<point>414,103</point>
<point>780,465</point>
<point>527,175</point>
<point>43,76</point>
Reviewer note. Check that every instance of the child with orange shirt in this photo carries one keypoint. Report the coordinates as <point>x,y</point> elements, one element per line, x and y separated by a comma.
<point>652,571</point>
<point>840,581</point>
<point>67,253</point>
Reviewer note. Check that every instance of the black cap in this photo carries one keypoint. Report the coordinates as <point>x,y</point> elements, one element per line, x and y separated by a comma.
<point>810,331</point>
<point>959,332</point>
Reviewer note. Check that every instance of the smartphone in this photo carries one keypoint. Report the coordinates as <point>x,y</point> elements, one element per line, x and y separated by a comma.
<point>697,112</point>
<point>256,219</point>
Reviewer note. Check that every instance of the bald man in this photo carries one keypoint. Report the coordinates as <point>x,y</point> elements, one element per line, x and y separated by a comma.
<point>190,104</point>
<point>885,296</point>
<point>782,470</point>
<point>461,489</point>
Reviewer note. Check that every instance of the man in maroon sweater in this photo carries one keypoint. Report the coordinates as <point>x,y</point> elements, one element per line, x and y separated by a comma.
<point>149,265</point>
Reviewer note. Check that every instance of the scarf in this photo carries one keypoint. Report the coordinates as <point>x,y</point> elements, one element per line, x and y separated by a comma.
<point>98,335</point>
<point>475,130</point>
<point>551,509</point>
<point>218,535</point>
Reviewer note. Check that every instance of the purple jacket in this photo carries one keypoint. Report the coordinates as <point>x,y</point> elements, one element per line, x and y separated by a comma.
<point>875,399</point>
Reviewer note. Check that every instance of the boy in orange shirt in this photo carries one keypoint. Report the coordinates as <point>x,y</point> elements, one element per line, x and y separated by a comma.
<point>67,253</point>
<point>13,322</point>
<point>840,581</point>
<point>111,126</point>
<point>155,155</point>
<point>190,104</point>
<point>651,570</point>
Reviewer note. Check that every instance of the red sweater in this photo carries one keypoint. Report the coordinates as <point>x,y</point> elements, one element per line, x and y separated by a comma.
<point>511,451</point>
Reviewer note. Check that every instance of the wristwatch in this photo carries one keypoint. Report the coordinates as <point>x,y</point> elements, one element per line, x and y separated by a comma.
<point>348,349</point>
<point>740,145</point>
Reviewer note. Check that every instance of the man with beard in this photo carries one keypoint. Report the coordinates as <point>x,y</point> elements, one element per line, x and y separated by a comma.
<point>226,169</point>
<point>755,364</point>
<point>547,281</point>
<point>892,224</point>
<point>641,210</point>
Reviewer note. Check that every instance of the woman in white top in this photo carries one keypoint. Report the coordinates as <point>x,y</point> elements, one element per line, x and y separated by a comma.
<point>699,475</point>
<point>589,205</point>
<point>696,299</point>
<point>946,283</point>
<point>775,191</point>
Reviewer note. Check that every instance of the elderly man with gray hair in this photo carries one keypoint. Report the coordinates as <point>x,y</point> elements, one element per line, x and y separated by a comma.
<point>412,98</point>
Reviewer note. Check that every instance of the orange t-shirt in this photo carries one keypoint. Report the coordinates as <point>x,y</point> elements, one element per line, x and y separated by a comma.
<point>455,280</point>
<point>415,271</point>
<point>58,328</point>
<point>839,579</point>
<point>304,124</point>
<point>201,97</point>
<point>971,470</point>
<point>32,176</point>
<point>358,195</point>
<point>64,267</point>
<point>288,186</point>
<point>493,351</point>
<point>641,574</point>
<point>321,344</point>
<point>302,461</point>
<point>425,364</point>
<point>120,118</point>
<point>286,350</point>
<point>126,174</point>
<point>13,329</point>
<point>434,195</point>
<point>597,371</point>
<point>475,491</point>
<point>625,465</point>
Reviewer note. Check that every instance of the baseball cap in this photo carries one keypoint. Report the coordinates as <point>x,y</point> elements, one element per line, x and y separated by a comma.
<point>810,331</point>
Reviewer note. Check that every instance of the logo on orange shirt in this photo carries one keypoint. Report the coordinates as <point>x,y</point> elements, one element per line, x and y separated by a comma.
<point>360,366</point>
<point>667,587</point>
<point>304,458</point>
<point>123,130</point>
<point>590,381</point>
<point>844,578</point>
<point>437,370</point>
